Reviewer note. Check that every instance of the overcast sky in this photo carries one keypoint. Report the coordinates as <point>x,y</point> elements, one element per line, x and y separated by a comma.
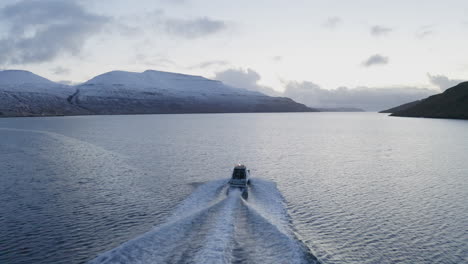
<point>272,45</point>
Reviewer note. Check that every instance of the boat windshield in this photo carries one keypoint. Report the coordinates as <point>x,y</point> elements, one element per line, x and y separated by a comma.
<point>238,174</point>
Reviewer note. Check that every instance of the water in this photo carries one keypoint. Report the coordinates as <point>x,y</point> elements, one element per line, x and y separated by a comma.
<point>337,187</point>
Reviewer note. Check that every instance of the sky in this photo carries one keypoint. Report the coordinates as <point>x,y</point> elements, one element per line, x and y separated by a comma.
<point>317,52</point>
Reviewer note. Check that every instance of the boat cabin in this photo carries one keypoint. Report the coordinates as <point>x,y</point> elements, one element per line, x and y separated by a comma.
<point>240,176</point>
<point>239,172</point>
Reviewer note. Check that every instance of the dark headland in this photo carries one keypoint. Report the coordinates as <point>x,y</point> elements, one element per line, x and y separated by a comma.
<point>452,103</point>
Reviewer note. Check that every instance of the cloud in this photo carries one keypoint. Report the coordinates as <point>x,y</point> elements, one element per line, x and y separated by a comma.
<point>311,94</point>
<point>40,31</point>
<point>193,28</point>
<point>178,2</point>
<point>59,70</point>
<point>152,60</point>
<point>157,22</point>
<point>377,31</point>
<point>375,59</point>
<point>443,82</point>
<point>367,98</point>
<point>425,31</point>
<point>211,63</point>
<point>332,22</point>
<point>277,58</point>
<point>246,79</point>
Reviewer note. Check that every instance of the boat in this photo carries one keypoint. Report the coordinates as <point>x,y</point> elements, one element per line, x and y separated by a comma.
<point>240,179</point>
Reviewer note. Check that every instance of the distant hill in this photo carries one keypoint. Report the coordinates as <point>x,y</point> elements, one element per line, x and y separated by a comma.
<point>23,93</point>
<point>340,109</point>
<point>453,103</point>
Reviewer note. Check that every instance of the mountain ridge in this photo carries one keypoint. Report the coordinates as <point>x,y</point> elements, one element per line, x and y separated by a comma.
<point>22,77</point>
<point>24,93</point>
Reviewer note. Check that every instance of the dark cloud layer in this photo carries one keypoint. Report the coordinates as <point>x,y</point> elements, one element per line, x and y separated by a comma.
<point>193,28</point>
<point>375,59</point>
<point>39,31</point>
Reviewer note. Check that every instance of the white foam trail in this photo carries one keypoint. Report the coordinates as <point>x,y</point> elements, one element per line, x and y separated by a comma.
<point>203,196</point>
<point>212,227</point>
<point>267,201</point>
<point>266,205</point>
<point>156,245</point>
<point>218,244</point>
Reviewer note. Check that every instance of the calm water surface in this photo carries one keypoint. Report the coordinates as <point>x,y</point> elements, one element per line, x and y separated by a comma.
<point>327,187</point>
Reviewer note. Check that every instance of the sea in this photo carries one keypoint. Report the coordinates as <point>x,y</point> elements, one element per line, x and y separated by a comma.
<point>325,188</point>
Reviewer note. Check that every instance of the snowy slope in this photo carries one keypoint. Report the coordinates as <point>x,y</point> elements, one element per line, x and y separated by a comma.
<point>17,77</point>
<point>25,81</point>
<point>158,81</point>
<point>23,93</point>
<point>163,92</point>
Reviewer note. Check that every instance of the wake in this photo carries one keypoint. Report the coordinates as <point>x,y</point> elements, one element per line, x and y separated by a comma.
<point>212,227</point>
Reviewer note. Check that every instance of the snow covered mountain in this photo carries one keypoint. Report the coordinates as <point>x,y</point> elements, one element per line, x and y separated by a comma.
<point>23,93</point>
<point>18,77</point>
<point>120,92</point>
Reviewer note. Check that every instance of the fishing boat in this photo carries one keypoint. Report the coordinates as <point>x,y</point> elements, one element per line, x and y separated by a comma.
<point>240,179</point>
